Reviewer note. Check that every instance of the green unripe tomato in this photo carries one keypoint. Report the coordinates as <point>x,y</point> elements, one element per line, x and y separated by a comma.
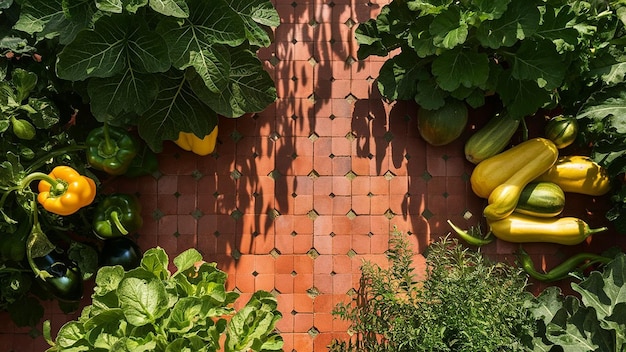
<point>23,129</point>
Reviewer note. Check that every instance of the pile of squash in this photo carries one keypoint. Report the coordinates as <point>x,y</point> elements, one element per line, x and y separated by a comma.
<point>525,184</point>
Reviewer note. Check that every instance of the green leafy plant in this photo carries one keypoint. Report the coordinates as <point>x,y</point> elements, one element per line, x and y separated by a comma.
<point>465,303</point>
<point>33,141</point>
<point>163,66</point>
<point>527,53</point>
<point>598,101</point>
<point>594,322</point>
<point>148,308</point>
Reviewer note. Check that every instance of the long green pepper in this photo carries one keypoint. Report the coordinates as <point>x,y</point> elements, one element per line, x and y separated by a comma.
<point>577,262</point>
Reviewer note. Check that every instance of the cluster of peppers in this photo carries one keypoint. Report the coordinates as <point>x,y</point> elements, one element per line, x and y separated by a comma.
<point>64,191</point>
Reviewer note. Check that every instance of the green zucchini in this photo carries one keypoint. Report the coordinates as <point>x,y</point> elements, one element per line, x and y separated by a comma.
<point>492,138</point>
<point>542,199</point>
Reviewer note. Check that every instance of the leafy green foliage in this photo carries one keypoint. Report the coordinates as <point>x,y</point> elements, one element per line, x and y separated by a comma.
<point>599,103</point>
<point>595,322</point>
<point>32,140</point>
<point>164,66</point>
<point>529,53</point>
<point>148,308</point>
<point>466,303</point>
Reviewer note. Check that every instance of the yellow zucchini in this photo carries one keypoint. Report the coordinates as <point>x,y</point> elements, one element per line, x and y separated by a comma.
<point>496,170</point>
<point>521,228</point>
<point>578,174</point>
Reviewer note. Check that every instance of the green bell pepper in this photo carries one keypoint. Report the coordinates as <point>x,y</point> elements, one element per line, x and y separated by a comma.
<point>110,149</point>
<point>117,215</point>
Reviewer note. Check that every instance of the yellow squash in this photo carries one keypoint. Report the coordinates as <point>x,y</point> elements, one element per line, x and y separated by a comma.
<point>521,228</point>
<point>496,170</point>
<point>503,199</point>
<point>201,146</point>
<point>578,174</point>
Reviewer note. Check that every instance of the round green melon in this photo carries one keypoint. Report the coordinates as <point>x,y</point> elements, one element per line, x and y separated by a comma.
<point>562,130</point>
<point>444,125</point>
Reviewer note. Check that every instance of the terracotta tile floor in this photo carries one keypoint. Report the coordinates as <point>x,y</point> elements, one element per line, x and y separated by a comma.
<point>298,195</point>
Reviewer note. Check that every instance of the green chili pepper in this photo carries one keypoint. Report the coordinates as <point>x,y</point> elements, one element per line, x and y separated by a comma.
<point>576,262</point>
<point>110,149</point>
<point>472,238</point>
<point>117,215</point>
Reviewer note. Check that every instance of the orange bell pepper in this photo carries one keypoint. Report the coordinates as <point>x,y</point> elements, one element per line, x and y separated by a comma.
<point>201,146</point>
<point>64,191</point>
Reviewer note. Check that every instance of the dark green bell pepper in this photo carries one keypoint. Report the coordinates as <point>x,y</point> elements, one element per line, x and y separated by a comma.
<point>117,215</point>
<point>110,149</point>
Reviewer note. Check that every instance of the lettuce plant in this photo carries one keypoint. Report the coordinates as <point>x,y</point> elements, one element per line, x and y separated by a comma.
<point>150,309</point>
<point>165,66</point>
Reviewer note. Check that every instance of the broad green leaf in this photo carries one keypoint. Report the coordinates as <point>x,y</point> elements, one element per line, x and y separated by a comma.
<point>256,14</point>
<point>540,62</point>
<point>429,95</point>
<point>251,324</point>
<point>521,97</point>
<point>580,331</point>
<point>70,334</point>
<point>187,260</point>
<point>610,68</point>
<point>250,88</point>
<point>604,291</point>
<point>103,319</point>
<point>611,102</point>
<point>548,304</point>
<point>5,4</point>
<point>429,6</point>
<point>186,313</point>
<point>520,20</point>
<point>116,44</point>
<point>190,344</point>
<point>176,109</point>
<point>459,67</point>
<point>35,15</point>
<point>448,29</point>
<point>195,42</point>
<point>394,19</point>
<point>209,23</point>
<point>108,279</point>
<point>142,301</point>
<point>129,92</point>
<point>557,26</point>
<point>95,53</point>
<point>133,5</point>
<point>55,18</point>
<point>491,9</point>
<point>398,77</point>
<point>24,82</point>
<point>476,99</point>
<point>420,38</point>
<point>173,8</point>
<point>373,42</point>
<point>156,261</point>
<point>114,6</point>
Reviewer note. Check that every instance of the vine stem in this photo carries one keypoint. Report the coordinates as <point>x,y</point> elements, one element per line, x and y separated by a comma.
<point>41,161</point>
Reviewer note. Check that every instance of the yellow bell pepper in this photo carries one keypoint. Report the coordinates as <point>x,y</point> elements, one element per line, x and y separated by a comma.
<point>64,191</point>
<point>201,146</point>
